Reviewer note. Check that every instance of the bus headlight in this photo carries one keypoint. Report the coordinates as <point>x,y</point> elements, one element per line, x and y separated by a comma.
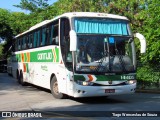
<point>131,82</point>
<point>84,83</point>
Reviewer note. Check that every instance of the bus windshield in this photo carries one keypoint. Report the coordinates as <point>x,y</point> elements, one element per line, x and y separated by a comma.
<point>103,50</point>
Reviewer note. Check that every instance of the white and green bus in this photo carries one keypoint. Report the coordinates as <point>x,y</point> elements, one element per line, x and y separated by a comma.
<point>78,54</point>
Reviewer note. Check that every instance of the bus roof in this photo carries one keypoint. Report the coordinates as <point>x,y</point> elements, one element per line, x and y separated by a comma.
<point>75,14</point>
<point>92,14</point>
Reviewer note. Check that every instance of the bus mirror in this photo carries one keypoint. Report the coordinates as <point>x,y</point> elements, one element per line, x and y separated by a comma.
<point>73,40</point>
<point>142,41</point>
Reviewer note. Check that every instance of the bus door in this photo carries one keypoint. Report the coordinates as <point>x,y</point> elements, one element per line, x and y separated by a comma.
<point>65,52</point>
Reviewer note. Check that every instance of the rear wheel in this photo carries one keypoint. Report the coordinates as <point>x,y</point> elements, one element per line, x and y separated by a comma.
<point>54,89</point>
<point>18,76</point>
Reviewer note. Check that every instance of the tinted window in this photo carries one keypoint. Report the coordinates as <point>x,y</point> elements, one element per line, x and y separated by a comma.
<point>54,30</point>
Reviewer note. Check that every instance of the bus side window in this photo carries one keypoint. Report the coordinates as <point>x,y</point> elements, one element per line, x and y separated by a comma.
<point>43,37</point>
<point>38,38</point>
<point>47,36</point>
<point>51,35</point>
<point>35,39</point>
<point>19,44</point>
<point>27,42</point>
<point>30,40</point>
<point>24,42</point>
<point>54,40</point>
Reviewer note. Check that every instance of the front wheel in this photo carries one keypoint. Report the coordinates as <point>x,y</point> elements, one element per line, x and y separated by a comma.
<point>54,89</point>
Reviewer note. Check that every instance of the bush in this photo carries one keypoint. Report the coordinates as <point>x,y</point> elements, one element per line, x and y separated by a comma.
<point>148,76</point>
<point>148,73</point>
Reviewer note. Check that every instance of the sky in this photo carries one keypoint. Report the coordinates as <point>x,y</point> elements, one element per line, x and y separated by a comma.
<point>8,4</point>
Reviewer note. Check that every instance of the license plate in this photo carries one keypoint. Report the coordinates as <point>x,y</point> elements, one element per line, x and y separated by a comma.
<point>109,90</point>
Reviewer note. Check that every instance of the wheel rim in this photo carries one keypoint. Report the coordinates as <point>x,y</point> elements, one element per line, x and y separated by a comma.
<point>55,88</point>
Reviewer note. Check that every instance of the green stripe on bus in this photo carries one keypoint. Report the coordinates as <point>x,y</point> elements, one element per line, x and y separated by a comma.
<point>79,77</point>
<point>106,77</point>
<point>57,54</point>
<point>25,57</point>
<point>27,67</point>
<point>39,56</point>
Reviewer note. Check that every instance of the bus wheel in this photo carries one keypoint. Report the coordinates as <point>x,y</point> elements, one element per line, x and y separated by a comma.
<point>54,89</point>
<point>21,79</point>
<point>18,76</point>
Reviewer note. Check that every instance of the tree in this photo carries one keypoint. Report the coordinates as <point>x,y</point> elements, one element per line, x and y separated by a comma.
<point>5,30</point>
<point>33,5</point>
<point>19,22</point>
<point>63,6</point>
<point>152,32</point>
<point>1,51</point>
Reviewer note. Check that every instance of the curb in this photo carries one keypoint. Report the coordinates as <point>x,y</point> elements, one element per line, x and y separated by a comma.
<point>148,91</point>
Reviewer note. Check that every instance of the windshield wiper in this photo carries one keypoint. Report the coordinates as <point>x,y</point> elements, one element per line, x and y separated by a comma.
<point>106,51</point>
<point>120,58</point>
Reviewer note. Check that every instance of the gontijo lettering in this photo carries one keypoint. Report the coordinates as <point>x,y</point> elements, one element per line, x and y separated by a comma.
<point>45,56</point>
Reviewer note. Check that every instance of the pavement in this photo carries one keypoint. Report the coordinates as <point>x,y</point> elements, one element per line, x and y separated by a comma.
<point>28,98</point>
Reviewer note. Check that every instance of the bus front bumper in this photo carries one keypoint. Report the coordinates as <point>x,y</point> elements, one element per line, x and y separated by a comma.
<point>93,91</point>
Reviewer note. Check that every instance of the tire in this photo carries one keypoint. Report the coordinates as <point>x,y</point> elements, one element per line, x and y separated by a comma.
<point>21,81</point>
<point>54,89</point>
<point>18,77</point>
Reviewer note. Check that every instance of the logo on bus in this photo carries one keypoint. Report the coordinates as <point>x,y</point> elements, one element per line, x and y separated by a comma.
<point>44,56</point>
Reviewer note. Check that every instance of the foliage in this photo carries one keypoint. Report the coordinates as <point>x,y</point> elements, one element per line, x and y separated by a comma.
<point>148,73</point>
<point>1,51</point>
<point>33,5</point>
<point>152,32</point>
<point>5,30</point>
<point>19,22</point>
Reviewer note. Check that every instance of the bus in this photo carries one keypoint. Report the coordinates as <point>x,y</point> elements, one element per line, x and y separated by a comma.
<point>78,54</point>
